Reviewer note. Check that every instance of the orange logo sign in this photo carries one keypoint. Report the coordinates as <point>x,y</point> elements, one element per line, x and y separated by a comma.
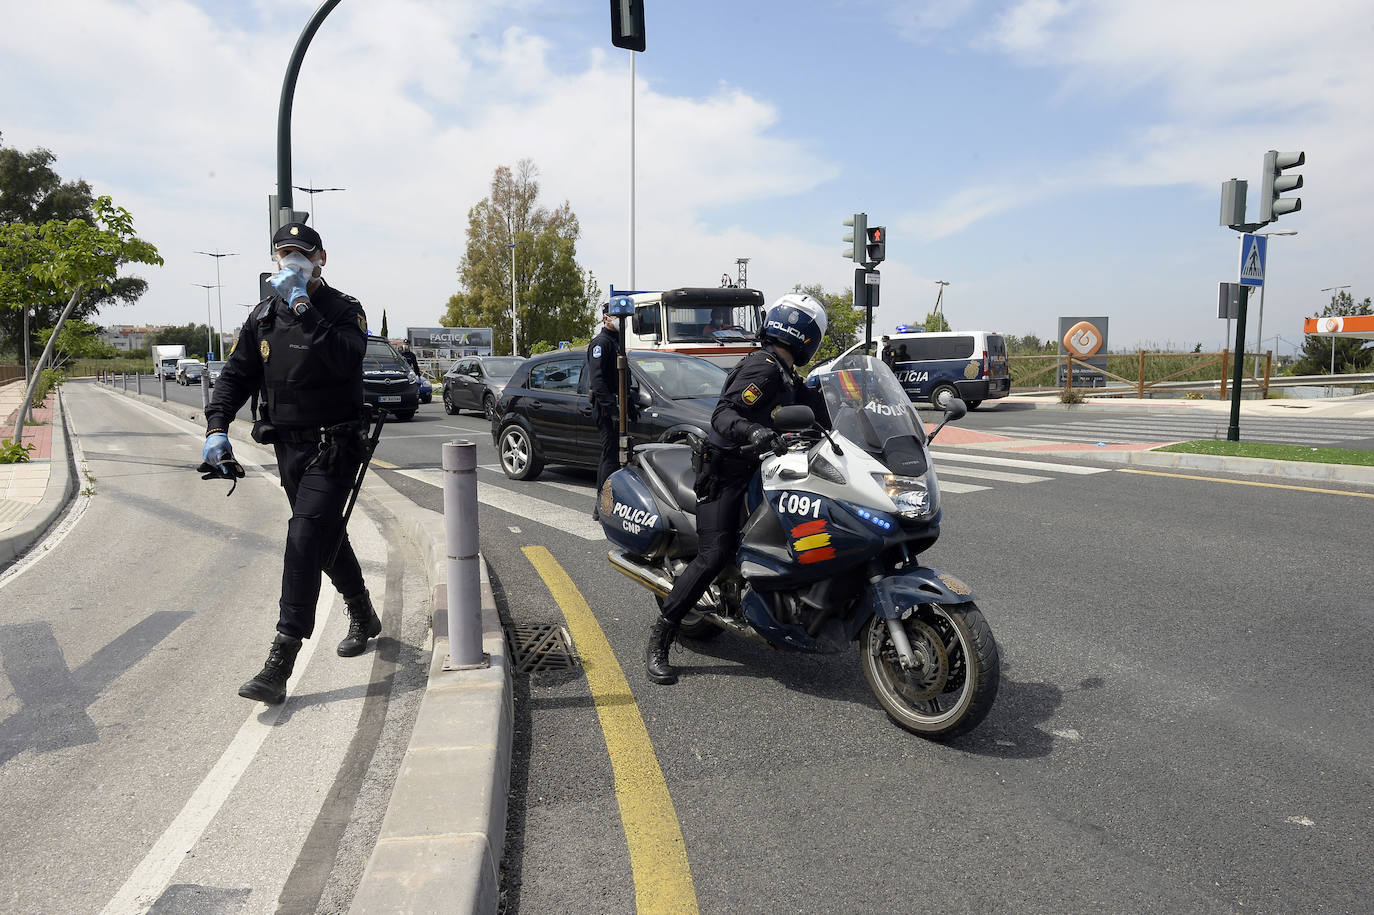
<point>1083,339</point>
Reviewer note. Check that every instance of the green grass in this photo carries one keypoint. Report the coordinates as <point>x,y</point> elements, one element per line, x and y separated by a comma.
<point>1276,452</point>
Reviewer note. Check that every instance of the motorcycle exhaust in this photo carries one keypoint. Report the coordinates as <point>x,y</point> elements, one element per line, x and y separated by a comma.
<point>656,581</point>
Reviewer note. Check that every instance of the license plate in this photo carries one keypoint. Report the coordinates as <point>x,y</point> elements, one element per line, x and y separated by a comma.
<point>389,398</point>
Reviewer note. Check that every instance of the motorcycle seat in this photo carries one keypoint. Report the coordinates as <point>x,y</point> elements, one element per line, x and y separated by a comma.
<point>671,466</point>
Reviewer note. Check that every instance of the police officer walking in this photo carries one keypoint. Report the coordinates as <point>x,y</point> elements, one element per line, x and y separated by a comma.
<point>740,427</point>
<point>302,348</point>
<point>603,387</point>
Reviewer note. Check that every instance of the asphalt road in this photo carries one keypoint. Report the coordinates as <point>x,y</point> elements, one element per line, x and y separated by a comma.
<point>132,776</point>
<point>1185,721</point>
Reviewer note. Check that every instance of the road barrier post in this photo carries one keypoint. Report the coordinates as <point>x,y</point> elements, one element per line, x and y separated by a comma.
<point>205,389</point>
<point>461,545</point>
<point>162,380</point>
<point>138,382</point>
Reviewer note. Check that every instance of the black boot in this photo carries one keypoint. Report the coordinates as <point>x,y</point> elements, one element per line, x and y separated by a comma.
<point>270,684</point>
<point>656,657</point>
<point>363,624</point>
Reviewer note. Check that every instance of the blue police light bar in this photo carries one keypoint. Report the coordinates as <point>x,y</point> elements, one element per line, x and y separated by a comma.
<point>621,306</point>
<point>903,328</point>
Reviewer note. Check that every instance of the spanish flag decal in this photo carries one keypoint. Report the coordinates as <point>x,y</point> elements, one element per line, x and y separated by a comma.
<point>751,394</point>
<point>811,542</point>
<point>849,386</point>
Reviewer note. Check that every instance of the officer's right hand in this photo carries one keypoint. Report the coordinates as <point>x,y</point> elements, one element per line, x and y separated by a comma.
<point>218,457</point>
<point>762,439</point>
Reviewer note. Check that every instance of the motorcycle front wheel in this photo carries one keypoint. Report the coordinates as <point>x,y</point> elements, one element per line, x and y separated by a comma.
<point>954,681</point>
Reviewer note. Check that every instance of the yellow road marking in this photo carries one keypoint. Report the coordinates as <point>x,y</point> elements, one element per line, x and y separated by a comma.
<point>387,464</point>
<point>658,855</point>
<point>1187,476</point>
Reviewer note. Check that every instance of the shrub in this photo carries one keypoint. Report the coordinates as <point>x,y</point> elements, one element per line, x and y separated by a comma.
<point>14,452</point>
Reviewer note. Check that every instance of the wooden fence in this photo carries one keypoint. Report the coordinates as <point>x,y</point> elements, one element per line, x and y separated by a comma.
<point>1176,374</point>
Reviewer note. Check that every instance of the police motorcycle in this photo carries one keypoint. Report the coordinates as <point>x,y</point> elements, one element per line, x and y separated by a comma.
<point>829,552</point>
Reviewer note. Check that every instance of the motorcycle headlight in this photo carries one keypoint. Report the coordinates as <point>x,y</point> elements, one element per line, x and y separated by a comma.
<point>910,495</point>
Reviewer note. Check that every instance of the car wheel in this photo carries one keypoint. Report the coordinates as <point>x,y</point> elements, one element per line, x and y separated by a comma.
<point>489,406</point>
<point>405,416</point>
<point>449,408</point>
<point>519,459</point>
<point>942,395</point>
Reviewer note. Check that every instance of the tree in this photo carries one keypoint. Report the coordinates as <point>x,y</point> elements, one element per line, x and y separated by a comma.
<point>32,193</point>
<point>78,340</point>
<point>1350,353</point>
<point>74,257</point>
<point>556,299</point>
<point>844,322</point>
<point>385,334</point>
<point>935,323</point>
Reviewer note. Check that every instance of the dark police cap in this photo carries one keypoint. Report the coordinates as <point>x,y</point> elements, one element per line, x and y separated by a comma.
<point>297,235</point>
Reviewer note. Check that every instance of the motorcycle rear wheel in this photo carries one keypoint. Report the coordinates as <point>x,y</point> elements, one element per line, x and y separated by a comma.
<point>953,686</point>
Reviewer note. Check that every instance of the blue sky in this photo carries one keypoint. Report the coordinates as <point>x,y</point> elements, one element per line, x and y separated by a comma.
<point>1045,157</point>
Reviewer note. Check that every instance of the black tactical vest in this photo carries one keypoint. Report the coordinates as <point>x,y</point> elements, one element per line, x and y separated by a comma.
<point>300,388</point>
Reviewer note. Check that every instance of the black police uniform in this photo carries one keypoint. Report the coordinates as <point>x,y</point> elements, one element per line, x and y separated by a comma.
<point>309,369</point>
<point>757,385</point>
<point>603,387</point>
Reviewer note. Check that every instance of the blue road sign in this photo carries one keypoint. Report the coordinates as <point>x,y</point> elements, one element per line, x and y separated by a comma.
<point>1252,251</point>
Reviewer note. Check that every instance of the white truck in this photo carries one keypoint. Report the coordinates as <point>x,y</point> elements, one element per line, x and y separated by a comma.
<point>716,323</point>
<point>165,360</point>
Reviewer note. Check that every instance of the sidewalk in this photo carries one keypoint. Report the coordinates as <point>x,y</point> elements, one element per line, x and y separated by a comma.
<point>32,493</point>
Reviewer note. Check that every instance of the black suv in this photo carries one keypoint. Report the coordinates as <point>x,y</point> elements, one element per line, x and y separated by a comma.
<point>544,415</point>
<point>388,382</point>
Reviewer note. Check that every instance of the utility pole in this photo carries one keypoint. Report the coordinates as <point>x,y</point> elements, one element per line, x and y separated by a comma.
<point>1336,290</point>
<point>220,293</point>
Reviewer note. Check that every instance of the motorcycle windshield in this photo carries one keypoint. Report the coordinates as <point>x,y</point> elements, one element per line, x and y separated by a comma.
<point>869,407</point>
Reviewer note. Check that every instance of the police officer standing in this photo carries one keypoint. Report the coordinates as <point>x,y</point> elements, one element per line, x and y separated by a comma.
<point>603,387</point>
<point>740,427</point>
<point>302,348</point>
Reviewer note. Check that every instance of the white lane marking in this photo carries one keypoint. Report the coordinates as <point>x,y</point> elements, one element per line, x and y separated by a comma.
<point>155,871</point>
<point>960,457</point>
<point>582,490</point>
<point>952,486</point>
<point>572,521</point>
<point>982,474</point>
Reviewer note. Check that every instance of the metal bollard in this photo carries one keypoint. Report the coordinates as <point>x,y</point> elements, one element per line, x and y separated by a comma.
<point>138,382</point>
<point>162,380</point>
<point>205,389</point>
<point>125,376</point>
<point>461,545</point>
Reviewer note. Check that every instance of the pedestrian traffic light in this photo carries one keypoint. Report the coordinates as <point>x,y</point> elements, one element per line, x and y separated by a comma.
<point>627,24</point>
<point>1276,183</point>
<point>855,239</point>
<point>875,244</point>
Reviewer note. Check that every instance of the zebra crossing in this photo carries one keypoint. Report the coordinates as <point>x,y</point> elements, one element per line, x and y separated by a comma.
<point>1156,427</point>
<point>958,472</point>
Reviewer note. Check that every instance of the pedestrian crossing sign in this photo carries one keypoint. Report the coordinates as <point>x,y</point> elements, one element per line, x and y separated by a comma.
<point>1252,251</point>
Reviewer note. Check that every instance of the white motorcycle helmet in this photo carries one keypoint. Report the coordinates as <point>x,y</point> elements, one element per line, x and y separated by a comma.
<point>796,321</point>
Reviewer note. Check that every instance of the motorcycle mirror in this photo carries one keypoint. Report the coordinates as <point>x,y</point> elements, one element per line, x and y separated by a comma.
<point>796,418</point>
<point>957,409</point>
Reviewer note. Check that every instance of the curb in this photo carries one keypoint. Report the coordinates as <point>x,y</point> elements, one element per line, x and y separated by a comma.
<point>58,493</point>
<point>1289,470</point>
<point>445,824</point>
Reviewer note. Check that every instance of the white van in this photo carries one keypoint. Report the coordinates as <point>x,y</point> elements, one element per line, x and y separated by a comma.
<point>716,323</point>
<point>938,366</point>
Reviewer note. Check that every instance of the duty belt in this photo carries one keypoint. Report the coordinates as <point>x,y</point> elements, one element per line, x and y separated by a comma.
<point>297,436</point>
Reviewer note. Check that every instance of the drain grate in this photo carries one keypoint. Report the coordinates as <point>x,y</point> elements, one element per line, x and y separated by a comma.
<point>542,647</point>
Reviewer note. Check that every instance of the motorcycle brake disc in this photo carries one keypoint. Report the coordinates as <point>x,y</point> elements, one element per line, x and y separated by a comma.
<point>930,675</point>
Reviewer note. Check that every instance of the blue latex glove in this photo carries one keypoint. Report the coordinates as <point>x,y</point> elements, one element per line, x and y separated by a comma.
<point>217,452</point>
<point>290,285</point>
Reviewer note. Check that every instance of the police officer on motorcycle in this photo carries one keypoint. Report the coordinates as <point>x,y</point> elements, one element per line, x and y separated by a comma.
<point>741,427</point>
<point>302,349</point>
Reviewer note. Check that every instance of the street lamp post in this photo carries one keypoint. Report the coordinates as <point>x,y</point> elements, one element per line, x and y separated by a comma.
<point>514,317</point>
<point>312,191</point>
<point>939,296</point>
<point>208,329</point>
<point>1333,336</point>
<point>220,294</point>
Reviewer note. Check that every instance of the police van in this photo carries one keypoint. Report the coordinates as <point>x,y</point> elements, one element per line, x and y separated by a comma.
<point>720,324</point>
<point>938,366</point>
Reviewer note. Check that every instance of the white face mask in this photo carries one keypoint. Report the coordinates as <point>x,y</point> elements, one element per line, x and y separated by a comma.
<point>298,262</point>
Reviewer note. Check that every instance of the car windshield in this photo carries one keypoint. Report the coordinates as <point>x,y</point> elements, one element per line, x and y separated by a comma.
<point>868,406</point>
<point>216,365</point>
<point>502,366</point>
<point>381,357</point>
<point>679,376</point>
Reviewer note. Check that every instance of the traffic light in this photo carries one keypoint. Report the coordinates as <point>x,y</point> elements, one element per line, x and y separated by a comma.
<point>627,24</point>
<point>1276,183</point>
<point>855,239</point>
<point>875,244</point>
